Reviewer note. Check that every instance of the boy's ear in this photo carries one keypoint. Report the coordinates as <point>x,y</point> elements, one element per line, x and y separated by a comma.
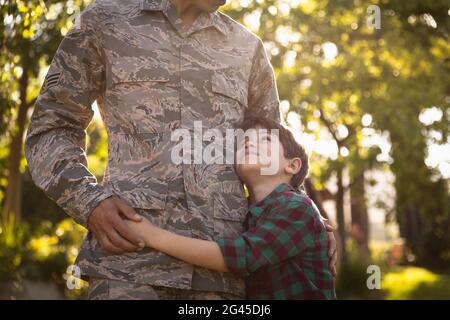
<point>294,165</point>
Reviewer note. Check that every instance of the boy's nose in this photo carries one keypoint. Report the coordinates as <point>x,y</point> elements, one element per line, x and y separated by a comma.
<point>249,143</point>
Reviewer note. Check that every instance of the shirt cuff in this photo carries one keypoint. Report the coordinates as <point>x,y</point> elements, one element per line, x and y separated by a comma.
<point>86,201</point>
<point>233,251</point>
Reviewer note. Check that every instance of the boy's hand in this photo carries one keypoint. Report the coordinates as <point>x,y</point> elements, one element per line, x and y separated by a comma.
<point>142,229</point>
<point>332,251</point>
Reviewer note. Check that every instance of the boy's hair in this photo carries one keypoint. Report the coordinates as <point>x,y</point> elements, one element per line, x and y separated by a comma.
<point>291,148</point>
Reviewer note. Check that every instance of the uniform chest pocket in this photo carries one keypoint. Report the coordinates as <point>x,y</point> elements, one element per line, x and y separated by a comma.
<point>140,94</point>
<point>229,95</point>
<point>135,70</point>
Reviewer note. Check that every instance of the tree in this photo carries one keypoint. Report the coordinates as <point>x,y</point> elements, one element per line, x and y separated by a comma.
<point>29,36</point>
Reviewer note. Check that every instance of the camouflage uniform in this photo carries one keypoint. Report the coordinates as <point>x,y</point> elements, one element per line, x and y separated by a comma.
<point>107,289</point>
<point>150,74</point>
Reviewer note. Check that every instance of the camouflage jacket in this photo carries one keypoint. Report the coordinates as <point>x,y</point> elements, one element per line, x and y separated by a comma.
<point>150,75</point>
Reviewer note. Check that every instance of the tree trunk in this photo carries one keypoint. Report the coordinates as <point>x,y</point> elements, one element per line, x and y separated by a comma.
<point>359,215</point>
<point>13,193</point>
<point>315,197</point>
<point>340,216</point>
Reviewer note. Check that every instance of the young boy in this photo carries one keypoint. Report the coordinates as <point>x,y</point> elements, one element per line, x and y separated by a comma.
<point>283,253</point>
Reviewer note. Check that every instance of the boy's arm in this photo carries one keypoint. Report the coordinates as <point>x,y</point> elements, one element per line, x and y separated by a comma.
<point>198,252</point>
<point>279,235</point>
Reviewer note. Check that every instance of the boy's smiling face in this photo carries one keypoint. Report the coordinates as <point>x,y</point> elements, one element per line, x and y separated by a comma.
<point>262,155</point>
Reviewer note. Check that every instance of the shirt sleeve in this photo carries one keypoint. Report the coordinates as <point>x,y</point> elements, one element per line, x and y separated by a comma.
<point>278,236</point>
<point>56,137</point>
<point>263,93</point>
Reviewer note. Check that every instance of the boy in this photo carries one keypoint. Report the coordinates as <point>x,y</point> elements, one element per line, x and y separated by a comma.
<point>283,252</point>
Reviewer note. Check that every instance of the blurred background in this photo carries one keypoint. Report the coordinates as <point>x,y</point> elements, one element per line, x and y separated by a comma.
<point>365,88</point>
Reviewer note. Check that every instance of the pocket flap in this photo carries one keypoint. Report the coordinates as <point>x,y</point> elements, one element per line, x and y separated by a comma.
<point>230,85</point>
<point>151,197</point>
<point>133,69</point>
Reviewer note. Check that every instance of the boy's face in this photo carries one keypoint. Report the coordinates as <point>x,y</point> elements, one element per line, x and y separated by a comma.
<point>260,154</point>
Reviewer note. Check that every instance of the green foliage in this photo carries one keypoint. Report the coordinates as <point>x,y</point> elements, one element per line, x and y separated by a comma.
<point>416,283</point>
<point>51,249</point>
<point>97,147</point>
<point>397,282</point>
<point>12,249</point>
<point>352,277</point>
<point>43,254</point>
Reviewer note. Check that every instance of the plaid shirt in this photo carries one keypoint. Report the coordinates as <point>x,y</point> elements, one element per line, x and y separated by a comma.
<point>283,253</point>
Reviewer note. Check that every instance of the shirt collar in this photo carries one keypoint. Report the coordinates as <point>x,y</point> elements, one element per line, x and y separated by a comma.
<point>205,19</point>
<point>273,195</point>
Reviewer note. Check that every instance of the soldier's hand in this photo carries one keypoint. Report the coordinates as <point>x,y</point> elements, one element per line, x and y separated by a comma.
<point>332,251</point>
<point>110,228</point>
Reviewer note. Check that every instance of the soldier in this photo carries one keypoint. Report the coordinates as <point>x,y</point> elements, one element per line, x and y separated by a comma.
<point>153,66</point>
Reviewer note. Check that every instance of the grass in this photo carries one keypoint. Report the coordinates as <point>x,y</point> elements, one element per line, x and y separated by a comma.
<point>415,283</point>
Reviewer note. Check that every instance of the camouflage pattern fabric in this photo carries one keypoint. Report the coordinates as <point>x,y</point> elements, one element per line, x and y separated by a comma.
<point>107,289</point>
<point>150,75</point>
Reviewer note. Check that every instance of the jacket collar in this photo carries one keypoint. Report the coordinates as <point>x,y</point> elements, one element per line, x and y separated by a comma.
<point>205,19</point>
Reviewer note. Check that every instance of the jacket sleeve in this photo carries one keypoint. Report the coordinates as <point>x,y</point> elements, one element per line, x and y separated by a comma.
<point>262,92</point>
<point>56,136</point>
